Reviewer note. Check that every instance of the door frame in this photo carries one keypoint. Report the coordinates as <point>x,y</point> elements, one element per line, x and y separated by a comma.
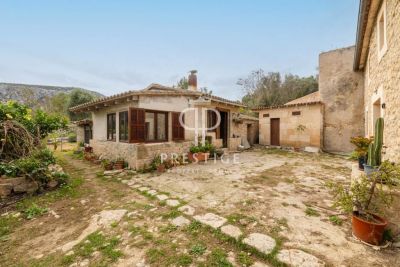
<point>278,132</point>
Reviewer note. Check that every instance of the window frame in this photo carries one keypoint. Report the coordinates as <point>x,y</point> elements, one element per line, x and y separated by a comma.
<point>155,112</point>
<point>113,134</point>
<point>120,115</point>
<point>381,15</point>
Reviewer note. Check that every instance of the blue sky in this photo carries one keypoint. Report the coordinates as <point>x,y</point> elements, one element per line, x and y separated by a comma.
<point>113,46</point>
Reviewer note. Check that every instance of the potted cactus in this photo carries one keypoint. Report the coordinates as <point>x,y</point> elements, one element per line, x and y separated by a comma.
<point>375,149</point>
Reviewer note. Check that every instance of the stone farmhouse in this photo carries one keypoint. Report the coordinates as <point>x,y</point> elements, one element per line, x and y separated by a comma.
<point>357,85</point>
<point>138,125</point>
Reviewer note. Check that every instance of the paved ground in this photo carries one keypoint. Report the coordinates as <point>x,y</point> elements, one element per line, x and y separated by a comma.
<point>270,208</point>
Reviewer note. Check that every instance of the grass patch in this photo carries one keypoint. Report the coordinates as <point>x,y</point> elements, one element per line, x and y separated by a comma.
<point>244,259</point>
<point>34,211</point>
<point>311,212</point>
<point>335,220</point>
<point>218,257</point>
<point>107,246</point>
<point>198,249</point>
<point>172,214</point>
<point>7,224</point>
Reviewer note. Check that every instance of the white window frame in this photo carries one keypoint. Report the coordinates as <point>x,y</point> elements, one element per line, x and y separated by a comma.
<point>381,15</point>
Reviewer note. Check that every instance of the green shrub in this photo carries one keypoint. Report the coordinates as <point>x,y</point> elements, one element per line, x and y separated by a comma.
<point>34,211</point>
<point>72,137</point>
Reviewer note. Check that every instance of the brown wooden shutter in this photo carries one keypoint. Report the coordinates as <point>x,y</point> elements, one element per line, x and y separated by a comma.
<point>178,132</point>
<point>137,125</point>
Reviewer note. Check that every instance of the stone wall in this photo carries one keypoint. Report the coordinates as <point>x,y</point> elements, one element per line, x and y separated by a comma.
<point>136,155</point>
<point>342,93</point>
<point>382,81</point>
<point>311,117</point>
<point>80,134</point>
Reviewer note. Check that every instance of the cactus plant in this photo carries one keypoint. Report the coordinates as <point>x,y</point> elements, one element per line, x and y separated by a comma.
<point>375,148</point>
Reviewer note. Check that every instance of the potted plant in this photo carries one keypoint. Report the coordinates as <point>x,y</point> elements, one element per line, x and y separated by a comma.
<point>88,149</point>
<point>362,144</point>
<point>201,152</point>
<point>375,149</point>
<point>366,199</point>
<point>119,164</point>
<point>107,164</point>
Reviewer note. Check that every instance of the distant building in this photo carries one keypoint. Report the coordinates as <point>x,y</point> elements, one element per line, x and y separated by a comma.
<point>357,85</point>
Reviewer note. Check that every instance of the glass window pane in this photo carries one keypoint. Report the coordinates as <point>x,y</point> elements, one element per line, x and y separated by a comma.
<point>149,121</point>
<point>123,126</point>
<point>161,122</point>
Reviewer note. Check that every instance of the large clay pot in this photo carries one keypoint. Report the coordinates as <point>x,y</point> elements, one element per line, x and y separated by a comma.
<point>119,165</point>
<point>199,156</point>
<point>369,232</point>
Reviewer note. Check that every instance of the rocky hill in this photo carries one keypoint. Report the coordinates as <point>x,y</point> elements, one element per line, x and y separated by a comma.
<point>28,92</point>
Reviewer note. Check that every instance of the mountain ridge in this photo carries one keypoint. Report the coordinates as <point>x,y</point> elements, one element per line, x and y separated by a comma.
<point>22,92</point>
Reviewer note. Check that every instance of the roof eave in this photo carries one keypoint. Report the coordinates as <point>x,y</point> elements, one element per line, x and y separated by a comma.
<point>361,25</point>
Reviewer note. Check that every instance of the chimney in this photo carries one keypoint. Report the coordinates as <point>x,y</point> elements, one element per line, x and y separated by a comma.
<point>193,80</point>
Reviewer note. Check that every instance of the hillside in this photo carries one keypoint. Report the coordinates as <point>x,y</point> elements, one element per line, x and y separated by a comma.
<point>27,92</point>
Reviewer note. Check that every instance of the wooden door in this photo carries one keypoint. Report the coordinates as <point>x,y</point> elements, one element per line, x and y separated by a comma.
<point>275,131</point>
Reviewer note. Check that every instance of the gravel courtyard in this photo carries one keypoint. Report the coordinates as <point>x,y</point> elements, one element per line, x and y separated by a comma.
<point>270,208</point>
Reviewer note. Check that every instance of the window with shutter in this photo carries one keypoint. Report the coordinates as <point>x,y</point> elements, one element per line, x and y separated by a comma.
<point>137,125</point>
<point>178,132</point>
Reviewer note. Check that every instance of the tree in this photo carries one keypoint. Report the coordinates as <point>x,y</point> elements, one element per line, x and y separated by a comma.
<point>21,129</point>
<point>183,83</point>
<point>58,103</point>
<point>77,97</point>
<point>270,90</point>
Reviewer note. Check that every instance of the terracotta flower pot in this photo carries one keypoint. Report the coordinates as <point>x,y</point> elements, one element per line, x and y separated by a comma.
<point>119,165</point>
<point>88,149</point>
<point>369,232</point>
<point>199,156</point>
<point>161,168</point>
<point>108,167</point>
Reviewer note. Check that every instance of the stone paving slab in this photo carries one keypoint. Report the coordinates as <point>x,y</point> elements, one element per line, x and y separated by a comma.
<point>261,242</point>
<point>152,192</point>
<point>211,219</point>
<point>180,221</point>
<point>143,189</point>
<point>162,197</point>
<point>135,186</point>
<point>172,202</point>
<point>231,231</point>
<point>188,210</point>
<point>299,258</point>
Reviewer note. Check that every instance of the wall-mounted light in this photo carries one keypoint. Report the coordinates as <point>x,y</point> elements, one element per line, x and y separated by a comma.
<point>383,105</point>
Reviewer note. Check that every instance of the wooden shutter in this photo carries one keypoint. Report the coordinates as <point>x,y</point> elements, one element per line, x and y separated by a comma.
<point>178,132</point>
<point>136,125</point>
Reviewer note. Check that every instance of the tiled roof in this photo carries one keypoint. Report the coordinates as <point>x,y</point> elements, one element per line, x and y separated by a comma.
<point>152,89</point>
<point>310,98</point>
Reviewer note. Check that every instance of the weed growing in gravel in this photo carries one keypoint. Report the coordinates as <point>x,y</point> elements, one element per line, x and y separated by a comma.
<point>311,212</point>
<point>198,249</point>
<point>34,211</point>
<point>335,220</point>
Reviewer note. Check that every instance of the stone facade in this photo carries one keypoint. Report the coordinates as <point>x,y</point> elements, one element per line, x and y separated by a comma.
<point>382,82</point>
<point>311,117</point>
<point>341,91</point>
<point>137,155</point>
